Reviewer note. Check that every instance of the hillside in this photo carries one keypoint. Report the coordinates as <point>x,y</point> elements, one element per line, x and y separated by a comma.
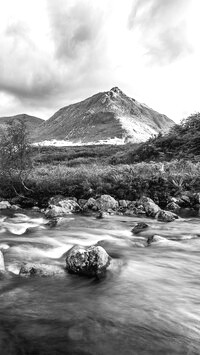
<point>103,118</point>
<point>31,122</point>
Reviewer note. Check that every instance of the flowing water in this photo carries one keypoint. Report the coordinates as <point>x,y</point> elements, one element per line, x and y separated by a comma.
<point>148,303</point>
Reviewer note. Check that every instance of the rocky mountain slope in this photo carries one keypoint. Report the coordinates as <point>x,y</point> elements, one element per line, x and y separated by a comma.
<point>31,122</point>
<point>103,117</point>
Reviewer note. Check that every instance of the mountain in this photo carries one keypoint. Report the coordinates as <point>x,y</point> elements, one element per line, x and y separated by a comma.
<point>106,116</point>
<point>31,122</point>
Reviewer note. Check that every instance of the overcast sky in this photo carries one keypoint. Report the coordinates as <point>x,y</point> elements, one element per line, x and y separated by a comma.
<point>56,52</point>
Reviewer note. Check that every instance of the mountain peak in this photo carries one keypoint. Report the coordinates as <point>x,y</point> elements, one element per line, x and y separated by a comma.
<point>105,116</point>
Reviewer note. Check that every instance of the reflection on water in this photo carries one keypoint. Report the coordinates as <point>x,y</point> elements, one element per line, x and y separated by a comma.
<point>149,302</point>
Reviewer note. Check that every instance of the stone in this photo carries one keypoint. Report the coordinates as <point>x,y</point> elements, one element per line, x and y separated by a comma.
<point>151,209</point>
<point>166,216</point>
<point>106,202</point>
<point>123,203</point>
<point>149,206</point>
<point>90,204</point>
<point>42,270</point>
<point>82,202</point>
<point>4,205</point>
<point>62,208</point>
<point>173,206</point>
<point>55,200</point>
<point>139,227</point>
<point>90,261</point>
<point>102,214</point>
<point>2,265</point>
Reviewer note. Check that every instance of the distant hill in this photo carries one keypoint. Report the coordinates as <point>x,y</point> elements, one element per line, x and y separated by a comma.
<point>103,117</point>
<point>31,122</point>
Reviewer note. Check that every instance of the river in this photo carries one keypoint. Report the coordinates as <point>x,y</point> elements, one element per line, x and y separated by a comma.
<point>148,303</point>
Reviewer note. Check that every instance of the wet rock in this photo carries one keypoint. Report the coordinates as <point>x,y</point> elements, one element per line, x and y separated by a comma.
<point>36,208</point>
<point>139,227</point>
<point>4,205</point>
<point>2,265</point>
<point>166,216</point>
<point>106,202</point>
<point>62,208</point>
<point>173,206</point>
<point>102,214</point>
<point>15,207</point>
<point>90,261</point>
<point>42,270</point>
<point>143,200</point>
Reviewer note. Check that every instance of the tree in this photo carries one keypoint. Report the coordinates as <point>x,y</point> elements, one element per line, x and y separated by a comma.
<point>15,156</point>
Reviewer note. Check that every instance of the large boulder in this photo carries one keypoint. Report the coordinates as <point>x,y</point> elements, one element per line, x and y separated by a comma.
<point>106,202</point>
<point>60,206</point>
<point>166,216</point>
<point>90,261</point>
<point>42,270</point>
<point>2,265</point>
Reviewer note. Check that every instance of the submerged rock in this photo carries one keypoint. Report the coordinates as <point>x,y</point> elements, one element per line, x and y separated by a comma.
<point>89,261</point>
<point>42,270</point>
<point>102,214</point>
<point>166,216</point>
<point>2,265</point>
<point>139,227</point>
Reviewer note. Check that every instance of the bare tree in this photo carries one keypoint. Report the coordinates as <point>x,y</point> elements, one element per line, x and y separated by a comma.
<point>15,156</point>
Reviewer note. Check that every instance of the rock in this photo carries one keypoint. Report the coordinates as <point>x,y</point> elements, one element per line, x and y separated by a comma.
<point>90,204</point>
<point>55,200</point>
<point>4,205</point>
<point>173,206</point>
<point>105,202</point>
<point>82,202</point>
<point>166,216</point>
<point>151,209</point>
<point>36,208</point>
<point>149,206</point>
<point>143,200</point>
<point>2,265</point>
<point>139,227</point>
<point>102,214</point>
<point>62,208</point>
<point>185,199</point>
<point>90,261</point>
<point>15,207</point>
<point>123,203</point>
<point>42,270</point>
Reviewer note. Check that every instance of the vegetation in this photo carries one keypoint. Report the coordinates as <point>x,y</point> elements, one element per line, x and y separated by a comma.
<point>125,172</point>
<point>15,157</point>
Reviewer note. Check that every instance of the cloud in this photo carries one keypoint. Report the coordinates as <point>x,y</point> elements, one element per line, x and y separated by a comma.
<point>162,28</point>
<point>75,28</point>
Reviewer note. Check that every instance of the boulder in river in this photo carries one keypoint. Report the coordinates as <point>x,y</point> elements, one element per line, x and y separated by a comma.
<point>139,227</point>
<point>89,261</point>
<point>166,216</point>
<point>42,270</point>
<point>61,207</point>
<point>2,265</point>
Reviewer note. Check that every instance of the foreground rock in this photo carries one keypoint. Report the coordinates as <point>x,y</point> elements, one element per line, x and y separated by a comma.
<point>89,261</point>
<point>42,270</point>
<point>166,216</point>
<point>60,206</point>
<point>2,265</point>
